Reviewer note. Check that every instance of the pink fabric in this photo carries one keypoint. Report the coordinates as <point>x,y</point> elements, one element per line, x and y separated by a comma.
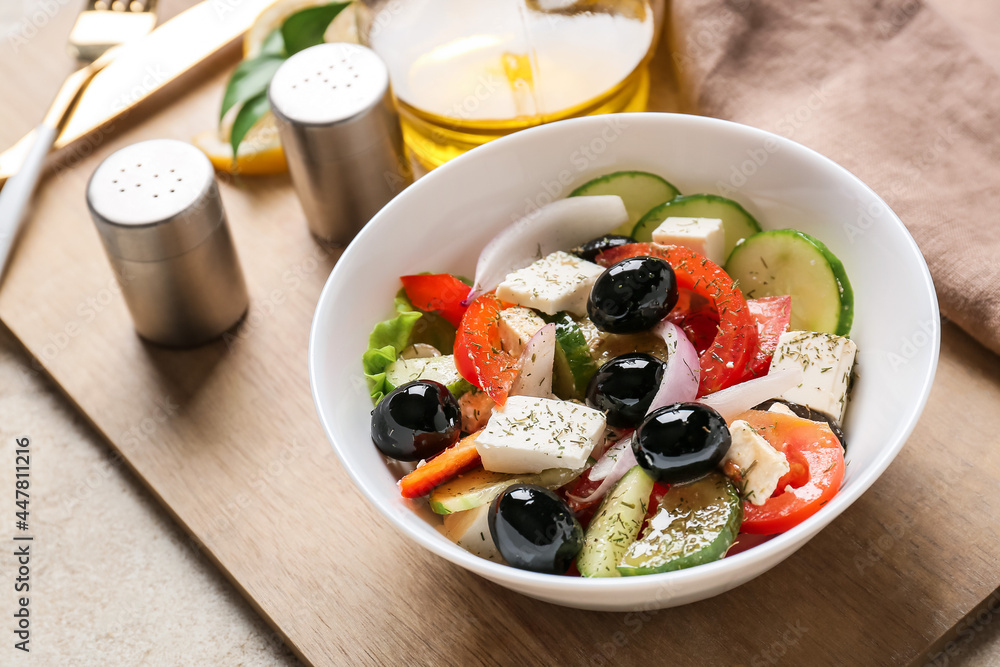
<point>887,89</point>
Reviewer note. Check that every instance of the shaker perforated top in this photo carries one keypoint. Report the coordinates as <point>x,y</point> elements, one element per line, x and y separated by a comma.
<point>328,84</point>
<point>149,182</point>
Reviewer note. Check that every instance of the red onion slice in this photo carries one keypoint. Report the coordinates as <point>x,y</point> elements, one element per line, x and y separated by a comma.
<point>680,379</point>
<point>617,461</point>
<point>679,384</point>
<point>562,224</point>
<point>733,401</point>
<point>535,375</point>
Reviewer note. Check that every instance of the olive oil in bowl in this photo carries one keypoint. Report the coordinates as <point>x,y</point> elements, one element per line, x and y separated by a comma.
<point>466,72</point>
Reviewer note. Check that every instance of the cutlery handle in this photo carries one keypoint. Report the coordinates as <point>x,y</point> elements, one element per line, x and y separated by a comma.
<point>16,194</point>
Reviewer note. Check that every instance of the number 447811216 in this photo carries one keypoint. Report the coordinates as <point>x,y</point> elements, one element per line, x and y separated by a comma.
<point>22,471</point>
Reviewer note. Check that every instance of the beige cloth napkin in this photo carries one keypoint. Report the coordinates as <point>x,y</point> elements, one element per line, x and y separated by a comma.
<point>887,89</point>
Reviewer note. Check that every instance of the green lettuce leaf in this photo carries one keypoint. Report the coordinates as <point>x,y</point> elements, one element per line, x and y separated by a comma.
<point>385,342</point>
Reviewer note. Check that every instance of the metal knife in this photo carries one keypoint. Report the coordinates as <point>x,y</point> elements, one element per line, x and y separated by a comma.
<point>167,53</point>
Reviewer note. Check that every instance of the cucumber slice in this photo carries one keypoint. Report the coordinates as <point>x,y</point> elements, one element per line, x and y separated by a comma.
<point>440,369</point>
<point>573,365</point>
<point>735,220</point>
<point>787,261</point>
<point>696,523</point>
<point>640,191</point>
<point>615,525</point>
<point>479,487</point>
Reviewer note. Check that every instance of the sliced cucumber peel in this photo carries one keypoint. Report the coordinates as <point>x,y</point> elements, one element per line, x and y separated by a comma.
<point>696,523</point>
<point>787,261</point>
<point>573,366</point>
<point>736,221</point>
<point>615,525</point>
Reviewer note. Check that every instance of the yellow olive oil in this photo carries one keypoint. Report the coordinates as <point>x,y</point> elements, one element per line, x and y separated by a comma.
<point>466,72</point>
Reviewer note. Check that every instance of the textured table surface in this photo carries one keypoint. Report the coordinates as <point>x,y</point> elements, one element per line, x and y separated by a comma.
<point>125,585</point>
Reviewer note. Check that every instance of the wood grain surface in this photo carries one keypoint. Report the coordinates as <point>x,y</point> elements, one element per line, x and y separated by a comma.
<point>226,437</point>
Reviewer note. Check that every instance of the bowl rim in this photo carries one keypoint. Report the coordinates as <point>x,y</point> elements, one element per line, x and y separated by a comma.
<point>783,544</point>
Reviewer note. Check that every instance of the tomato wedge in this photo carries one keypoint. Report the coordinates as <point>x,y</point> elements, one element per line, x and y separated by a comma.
<point>773,315</point>
<point>817,470</point>
<point>479,355</point>
<point>441,292</point>
<point>725,361</point>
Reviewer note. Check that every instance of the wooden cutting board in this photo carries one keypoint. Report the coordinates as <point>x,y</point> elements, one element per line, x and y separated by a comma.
<point>226,437</point>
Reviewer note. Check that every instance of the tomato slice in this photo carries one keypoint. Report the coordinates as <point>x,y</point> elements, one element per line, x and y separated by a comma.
<point>697,318</point>
<point>817,470</point>
<point>441,292</point>
<point>725,361</point>
<point>479,355</point>
<point>773,315</point>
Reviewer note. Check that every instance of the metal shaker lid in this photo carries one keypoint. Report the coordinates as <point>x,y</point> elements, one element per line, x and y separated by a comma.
<point>340,88</point>
<point>154,200</point>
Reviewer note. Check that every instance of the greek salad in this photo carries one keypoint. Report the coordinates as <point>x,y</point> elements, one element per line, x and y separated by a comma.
<point>633,379</point>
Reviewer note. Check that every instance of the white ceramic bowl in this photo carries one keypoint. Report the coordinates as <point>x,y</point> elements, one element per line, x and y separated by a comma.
<point>442,222</point>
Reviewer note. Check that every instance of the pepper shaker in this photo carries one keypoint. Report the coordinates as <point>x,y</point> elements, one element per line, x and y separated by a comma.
<point>157,208</point>
<point>341,135</point>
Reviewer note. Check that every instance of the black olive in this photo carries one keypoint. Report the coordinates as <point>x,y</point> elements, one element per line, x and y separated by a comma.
<point>632,295</point>
<point>624,387</point>
<point>805,412</point>
<point>534,529</point>
<point>594,247</point>
<point>416,421</point>
<point>682,442</point>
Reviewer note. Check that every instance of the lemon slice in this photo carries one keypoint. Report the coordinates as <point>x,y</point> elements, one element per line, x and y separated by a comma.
<point>260,153</point>
<point>342,29</point>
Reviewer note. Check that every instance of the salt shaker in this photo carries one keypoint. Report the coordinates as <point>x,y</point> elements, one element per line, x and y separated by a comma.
<point>341,135</point>
<point>157,208</point>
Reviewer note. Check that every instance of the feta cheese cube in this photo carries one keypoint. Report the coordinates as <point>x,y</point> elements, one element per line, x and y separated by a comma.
<point>782,409</point>
<point>517,326</point>
<point>703,235</point>
<point>826,361</point>
<point>471,531</point>
<point>556,282</point>
<point>760,465</point>
<point>531,434</point>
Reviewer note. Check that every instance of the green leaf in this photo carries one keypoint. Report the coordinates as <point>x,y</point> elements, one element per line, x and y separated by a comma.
<point>394,332</point>
<point>248,83</point>
<point>386,341</point>
<point>251,111</point>
<point>249,79</point>
<point>305,28</point>
<point>274,45</point>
